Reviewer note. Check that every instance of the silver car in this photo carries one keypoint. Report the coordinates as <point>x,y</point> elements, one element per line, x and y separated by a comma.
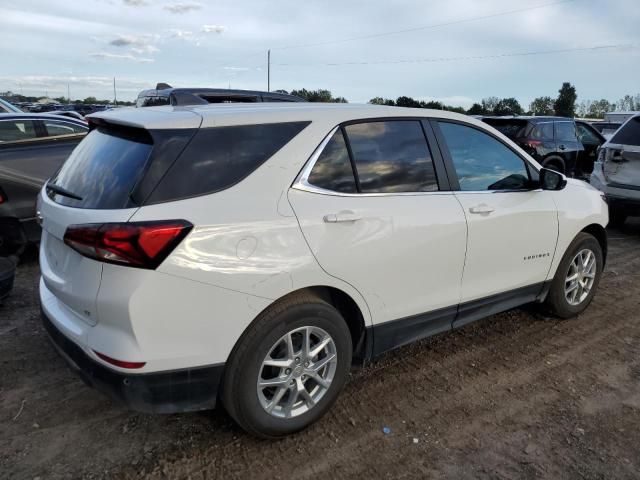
<point>617,171</point>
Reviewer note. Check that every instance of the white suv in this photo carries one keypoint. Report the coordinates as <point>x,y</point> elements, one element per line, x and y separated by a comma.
<point>252,253</point>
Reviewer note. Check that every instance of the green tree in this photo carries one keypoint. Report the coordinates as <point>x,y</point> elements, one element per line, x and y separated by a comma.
<point>432,104</point>
<point>407,102</point>
<point>542,106</point>
<point>508,106</point>
<point>90,100</point>
<point>489,104</point>
<point>598,108</point>
<point>382,101</point>
<point>476,109</point>
<point>565,104</point>
<point>320,95</point>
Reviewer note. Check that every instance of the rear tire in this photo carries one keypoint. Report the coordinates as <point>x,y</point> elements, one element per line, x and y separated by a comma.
<point>273,351</point>
<point>576,280</point>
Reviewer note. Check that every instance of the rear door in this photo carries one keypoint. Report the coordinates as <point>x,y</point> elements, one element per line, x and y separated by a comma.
<point>512,229</point>
<point>101,172</point>
<point>622,156</point>
<point>393,230</point>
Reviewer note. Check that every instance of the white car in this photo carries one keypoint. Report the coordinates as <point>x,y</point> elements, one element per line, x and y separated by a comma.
<point>252,253</point>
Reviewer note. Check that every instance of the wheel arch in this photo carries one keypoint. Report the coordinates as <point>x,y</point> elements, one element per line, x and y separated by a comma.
<point>347,306</point>
<point>600,234</point>
<point>554,159</point>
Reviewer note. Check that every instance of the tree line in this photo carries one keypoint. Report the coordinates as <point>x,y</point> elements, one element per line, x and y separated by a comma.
<point>564,105</point>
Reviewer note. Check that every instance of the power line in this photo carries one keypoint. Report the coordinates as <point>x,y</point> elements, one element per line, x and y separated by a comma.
<point>467,57</point>
<point>405,30</point>
<point>423,27</point>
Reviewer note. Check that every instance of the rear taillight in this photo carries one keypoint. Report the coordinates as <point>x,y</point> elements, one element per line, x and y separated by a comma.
<point>138,244</point>
<point>120,363</point>
<point>532,143</point>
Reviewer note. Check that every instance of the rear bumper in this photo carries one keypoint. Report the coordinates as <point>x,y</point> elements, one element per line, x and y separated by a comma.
<point>184,390</point>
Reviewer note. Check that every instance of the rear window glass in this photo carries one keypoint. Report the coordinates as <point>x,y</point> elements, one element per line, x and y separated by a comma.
<point>218,158</point>
<point>509,128</point>
<point>103,169</point>
<point>629,133</point>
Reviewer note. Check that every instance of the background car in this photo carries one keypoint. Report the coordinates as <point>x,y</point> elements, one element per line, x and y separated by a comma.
<point>617,172</point>
<point>165,94</point>
<point>552,141</point>
<point>32,148</point>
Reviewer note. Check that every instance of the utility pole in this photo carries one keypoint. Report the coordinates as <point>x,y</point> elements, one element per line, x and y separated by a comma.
<point>115,100</point>
<point>268,70</point>
<point>68,95</point>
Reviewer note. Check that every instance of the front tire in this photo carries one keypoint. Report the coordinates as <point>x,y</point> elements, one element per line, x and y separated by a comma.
<point>576,280</point>
<point>288,369</point>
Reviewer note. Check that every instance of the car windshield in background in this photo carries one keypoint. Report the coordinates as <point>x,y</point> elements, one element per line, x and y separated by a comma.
<point>103,169</point>
<point>509,128</point>
<point>628,134</point>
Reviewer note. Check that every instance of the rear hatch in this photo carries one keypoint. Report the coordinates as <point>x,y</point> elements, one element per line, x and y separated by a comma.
<point>101,182</point>
<point>620,156</point>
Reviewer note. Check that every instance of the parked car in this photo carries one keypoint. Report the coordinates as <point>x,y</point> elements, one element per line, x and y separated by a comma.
<point>552,141</point>
<point>606,129</point>
<point>7,107</point>
<point>165,94</point>
<point>617,172</point>
<point>32,148</point>
<point>252,253</point>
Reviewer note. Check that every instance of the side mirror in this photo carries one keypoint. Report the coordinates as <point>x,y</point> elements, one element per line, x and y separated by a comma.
<point>552,180</point>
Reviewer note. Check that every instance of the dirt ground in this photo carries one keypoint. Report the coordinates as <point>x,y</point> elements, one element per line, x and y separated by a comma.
<point>516,395</point>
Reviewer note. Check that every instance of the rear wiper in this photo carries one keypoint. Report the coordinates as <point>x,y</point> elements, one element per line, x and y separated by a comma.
<point>62,191</point>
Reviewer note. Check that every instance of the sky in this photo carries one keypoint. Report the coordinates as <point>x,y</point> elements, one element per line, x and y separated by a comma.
<point>455,51</point>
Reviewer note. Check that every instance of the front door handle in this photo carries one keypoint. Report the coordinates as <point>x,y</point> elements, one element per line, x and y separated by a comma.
<point>562,147</point>
<point>483,208</point>
<point>342,217</point>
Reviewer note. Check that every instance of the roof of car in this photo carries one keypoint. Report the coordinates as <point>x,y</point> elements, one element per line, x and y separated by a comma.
<point>255,113</point>
<point>195,96</point>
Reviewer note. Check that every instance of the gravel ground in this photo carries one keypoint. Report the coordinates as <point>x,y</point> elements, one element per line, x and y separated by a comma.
<point>517,395</point>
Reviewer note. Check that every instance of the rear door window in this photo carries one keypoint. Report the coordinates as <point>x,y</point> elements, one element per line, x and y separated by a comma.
<point>391,157</point>
<point>59,127</point>
<point>509,128</point>
<point>218,158</point>
<point>565,132</point>
<point>103,169</point>
<point>542,131</point>
<point>629,133</point>
<point>17,130</point>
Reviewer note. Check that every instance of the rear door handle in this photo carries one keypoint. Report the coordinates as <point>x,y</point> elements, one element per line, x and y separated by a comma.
<point>342,217</point>
<point>482,209</point>
<point>562,147</point>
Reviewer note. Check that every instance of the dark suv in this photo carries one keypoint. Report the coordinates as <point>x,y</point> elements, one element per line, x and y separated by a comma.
<point>555,142</point>
<point>165,94</point>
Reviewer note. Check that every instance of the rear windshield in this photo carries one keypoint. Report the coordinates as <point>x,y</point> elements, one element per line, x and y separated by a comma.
<point>218,158</point>
<point>509,128</point>
<point>103,169</point>
<point>629,133</point>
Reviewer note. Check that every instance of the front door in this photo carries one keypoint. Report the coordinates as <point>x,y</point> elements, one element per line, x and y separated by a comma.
<point>513,228</point>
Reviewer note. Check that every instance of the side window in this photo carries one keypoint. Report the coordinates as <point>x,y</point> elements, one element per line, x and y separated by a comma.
<point>16,130</point>
<point>332,170</point>
<point>629,134</point>
<point>565,132</point>
<point>543,131</point>
<point>392,157</point>
<point>482,162</point>
<point>57,127</point>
